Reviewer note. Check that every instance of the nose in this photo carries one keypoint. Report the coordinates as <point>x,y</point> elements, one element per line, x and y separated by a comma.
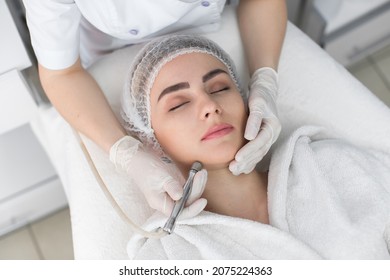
<point>209,107</point>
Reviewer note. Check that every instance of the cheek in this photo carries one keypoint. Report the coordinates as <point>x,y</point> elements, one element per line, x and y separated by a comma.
<point>174,136</point>
<point>236,110</point>
<point>238,115</point>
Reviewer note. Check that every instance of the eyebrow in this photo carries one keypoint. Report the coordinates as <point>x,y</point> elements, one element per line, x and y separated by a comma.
<point>212,74</point>
<point>185,85</point>
<point>173,88</point>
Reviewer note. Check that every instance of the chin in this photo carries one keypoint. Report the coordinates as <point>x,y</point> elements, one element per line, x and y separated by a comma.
<point>216,157</point>
<point>220,158</point>
<point>210,161</point>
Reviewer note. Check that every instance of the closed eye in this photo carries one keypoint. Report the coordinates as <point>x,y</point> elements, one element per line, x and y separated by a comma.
<point>178,106</point>
<point>222,89</point>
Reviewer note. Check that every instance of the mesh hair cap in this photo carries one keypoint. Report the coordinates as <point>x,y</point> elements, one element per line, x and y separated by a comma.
<point>145,68</point>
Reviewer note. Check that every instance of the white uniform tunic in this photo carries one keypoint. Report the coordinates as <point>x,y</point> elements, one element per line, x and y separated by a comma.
<point>63,30</point>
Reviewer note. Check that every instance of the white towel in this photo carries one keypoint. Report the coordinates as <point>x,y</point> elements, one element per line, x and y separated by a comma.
<point>213,236</point>
<point>332,195</point>
<point>327,199</point>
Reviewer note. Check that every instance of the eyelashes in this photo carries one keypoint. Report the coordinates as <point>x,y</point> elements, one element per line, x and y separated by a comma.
<point>223,89</point>
<point>178,106</point>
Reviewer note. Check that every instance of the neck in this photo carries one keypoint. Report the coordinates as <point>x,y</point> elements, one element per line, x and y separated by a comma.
<point>243,196</point>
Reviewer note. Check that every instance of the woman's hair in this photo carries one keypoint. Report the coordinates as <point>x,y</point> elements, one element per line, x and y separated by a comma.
<point>145,68</point>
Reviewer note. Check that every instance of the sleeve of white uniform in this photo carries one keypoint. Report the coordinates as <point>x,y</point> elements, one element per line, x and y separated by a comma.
<point>55,31</point>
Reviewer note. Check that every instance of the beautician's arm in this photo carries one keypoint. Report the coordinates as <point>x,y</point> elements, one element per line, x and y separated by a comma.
<point>262,26</point>
<point>79,99</point>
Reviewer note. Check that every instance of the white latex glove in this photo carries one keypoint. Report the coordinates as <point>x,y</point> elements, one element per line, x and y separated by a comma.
<point>156,179</point>
<point>263,126</point>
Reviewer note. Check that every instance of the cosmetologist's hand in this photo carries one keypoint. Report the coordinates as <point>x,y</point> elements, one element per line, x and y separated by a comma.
<point>156,179</point>
<point>263,126</point>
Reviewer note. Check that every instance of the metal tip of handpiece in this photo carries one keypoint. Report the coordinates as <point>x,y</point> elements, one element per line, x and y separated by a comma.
<point>197,166</point>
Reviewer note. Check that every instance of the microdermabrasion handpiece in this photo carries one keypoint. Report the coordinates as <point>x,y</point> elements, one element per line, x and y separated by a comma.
<point>179,205</point>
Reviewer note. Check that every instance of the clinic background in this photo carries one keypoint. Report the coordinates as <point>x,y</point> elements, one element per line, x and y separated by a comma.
<point>34,216</point>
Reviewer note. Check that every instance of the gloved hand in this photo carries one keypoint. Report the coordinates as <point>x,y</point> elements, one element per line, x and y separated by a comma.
<point>156,179</point>
<point>263,126</point>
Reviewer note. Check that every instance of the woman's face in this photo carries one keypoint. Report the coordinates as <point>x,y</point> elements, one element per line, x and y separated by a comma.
<point>197,111</point>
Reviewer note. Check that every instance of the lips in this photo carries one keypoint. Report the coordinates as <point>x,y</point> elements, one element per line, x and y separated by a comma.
<point>218,131</point>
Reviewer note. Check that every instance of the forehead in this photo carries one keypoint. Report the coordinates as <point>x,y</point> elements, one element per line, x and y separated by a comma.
<point>187,66</point>
<point>191,61</point>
